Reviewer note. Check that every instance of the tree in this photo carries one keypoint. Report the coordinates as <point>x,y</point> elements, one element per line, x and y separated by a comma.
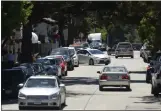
<point>13,14</point>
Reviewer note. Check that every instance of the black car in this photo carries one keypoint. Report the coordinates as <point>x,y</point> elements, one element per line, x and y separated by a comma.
<point>11,78</point>
<point>67,56</point>
<point>154,61</point>
<point>111,51</point>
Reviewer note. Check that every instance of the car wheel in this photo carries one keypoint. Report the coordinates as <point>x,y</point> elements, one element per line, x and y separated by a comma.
<point>91,62</point>
<point>128,88</point>
<point>100,88</point>
<point>116,57</point>
<point>66,73</point>
<point>132,56</point>
<point>21,108</point>
<point>106,63</point>
<point>77,64</point>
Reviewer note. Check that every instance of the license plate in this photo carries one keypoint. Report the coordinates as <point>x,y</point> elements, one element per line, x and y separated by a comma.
<point>37,102</point>
<point>8,91</point>
<point>114,77</point>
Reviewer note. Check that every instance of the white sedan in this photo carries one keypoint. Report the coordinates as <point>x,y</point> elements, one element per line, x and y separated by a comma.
<point>42,91</point>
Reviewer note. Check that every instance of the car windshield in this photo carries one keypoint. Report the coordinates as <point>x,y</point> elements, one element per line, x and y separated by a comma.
<point>41,83</point>
<point>114,69</point>
<point>72,51</point>
<point>44,61</point>
<point>59,52</point>
<point>96,52</point>
<point>124,46</point>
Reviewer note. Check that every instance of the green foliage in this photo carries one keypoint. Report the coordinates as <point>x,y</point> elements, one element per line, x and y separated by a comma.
<point>14,13</point>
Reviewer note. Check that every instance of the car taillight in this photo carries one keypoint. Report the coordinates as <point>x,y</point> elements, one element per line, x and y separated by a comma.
<point>125,77</point>
<point>103,77</point>
<point>148,67</point>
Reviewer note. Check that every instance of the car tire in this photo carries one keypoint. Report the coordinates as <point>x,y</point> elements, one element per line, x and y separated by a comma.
<point>66,73</point>
<point>21,108</point>
<point>132,56</point>
<point>128,88</point>
<point>106,63</point>
<point>77,64</point>
<point>91,62</point>
<point>116,57</point>
<point>100,88</point>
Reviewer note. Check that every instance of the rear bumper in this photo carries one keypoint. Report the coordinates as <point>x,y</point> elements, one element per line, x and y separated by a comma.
<point>114,83</point>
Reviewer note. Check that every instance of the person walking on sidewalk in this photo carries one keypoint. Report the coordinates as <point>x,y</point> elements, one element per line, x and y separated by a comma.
<point>11,58</point>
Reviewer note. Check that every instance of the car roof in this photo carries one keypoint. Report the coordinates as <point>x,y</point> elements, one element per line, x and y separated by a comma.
<point>43,77</point>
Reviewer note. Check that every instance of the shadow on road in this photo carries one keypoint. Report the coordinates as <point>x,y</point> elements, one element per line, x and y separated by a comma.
<point>138,81</point>
<point>116,89</point>
<point>79,80</point>
<point>149,99</point>
<point>9,101</point>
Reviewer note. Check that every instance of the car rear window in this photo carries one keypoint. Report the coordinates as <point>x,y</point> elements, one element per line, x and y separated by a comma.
<point>114,69</point>
<point>124,46</point>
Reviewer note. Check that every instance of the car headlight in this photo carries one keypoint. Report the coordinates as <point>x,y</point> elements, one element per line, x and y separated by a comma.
<point>54,96</point>
<point>22,96</point>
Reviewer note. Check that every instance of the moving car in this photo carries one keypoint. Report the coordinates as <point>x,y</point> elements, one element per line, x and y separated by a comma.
<point>145,53</point>
<point>75,56</point>
<point>77,46</point>
<point>156,81</point>
<point>10,80</point>
<point>42,91</point>
<point>95,45</point>
<point>115,76</point>
<point>67,56</point>
<point>124,49</point>
<point>93,56</point>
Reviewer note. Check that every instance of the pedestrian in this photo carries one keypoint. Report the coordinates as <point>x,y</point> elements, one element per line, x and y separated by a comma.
<point>19,56</point>
<point>11,58</point>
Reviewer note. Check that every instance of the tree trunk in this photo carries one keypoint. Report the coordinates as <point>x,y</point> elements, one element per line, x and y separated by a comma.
<point>27,44</point>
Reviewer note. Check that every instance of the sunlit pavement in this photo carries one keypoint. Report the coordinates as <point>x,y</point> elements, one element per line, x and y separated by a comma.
<point>83,92</point>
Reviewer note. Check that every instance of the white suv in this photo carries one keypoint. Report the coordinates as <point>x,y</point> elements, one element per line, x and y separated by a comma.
<point>156,81</point>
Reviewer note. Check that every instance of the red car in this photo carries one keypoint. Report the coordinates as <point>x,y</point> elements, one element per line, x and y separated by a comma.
<point>62,64</point>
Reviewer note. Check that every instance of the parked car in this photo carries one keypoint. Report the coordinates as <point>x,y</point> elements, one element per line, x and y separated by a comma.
<point>115,76</point>
<point>61,62</point>
<point>156,81</point>
<point>10,80</point>
<point>93,56</point>
<point>137,46</point>
<point>67,56</point>
<point>145,53</point>
<point>75,56</point>
<point>30,68</point>
<point>154,61</point>
<point>38,91</point>
<point>50,64</point>
<point>38,68</point>
<point>124,49</point>
<point>111,51</point>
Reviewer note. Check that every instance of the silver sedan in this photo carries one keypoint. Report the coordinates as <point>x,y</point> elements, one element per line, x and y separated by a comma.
<point>42,91</point>
<point>115,76</point>
<point>93,56</point>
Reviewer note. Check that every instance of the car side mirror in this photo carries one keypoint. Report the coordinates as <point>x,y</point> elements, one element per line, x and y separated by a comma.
<point>20,85</point>
<point>62,85</point>
<point>98,72</point>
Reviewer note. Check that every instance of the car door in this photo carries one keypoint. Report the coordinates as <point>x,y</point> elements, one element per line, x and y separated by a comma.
<point>86,56</point>
<point>80,56</point>
<point>61,90</point>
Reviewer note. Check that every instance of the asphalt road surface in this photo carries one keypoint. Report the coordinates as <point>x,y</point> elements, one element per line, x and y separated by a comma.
<point>83,92</point>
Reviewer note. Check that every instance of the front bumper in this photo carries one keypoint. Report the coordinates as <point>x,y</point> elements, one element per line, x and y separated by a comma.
<point>104,60</point>
<point>114,82</point>
<point>38,103</point>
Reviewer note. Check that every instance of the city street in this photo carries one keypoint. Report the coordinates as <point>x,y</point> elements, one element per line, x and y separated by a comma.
<point>83,92</point>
